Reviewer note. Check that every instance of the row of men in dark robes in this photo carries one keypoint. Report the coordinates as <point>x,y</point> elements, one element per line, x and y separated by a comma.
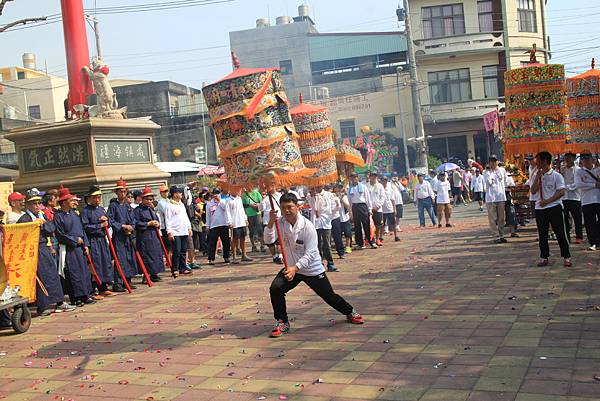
<point>75,255</point>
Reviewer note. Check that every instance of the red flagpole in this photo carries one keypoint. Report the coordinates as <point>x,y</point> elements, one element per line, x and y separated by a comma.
<point>114,254</point>
<point>92,268</point>
<point>169,265</point>
<point>141,262</point>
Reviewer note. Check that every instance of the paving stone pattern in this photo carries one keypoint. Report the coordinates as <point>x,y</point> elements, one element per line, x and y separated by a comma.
<point>450,317</point>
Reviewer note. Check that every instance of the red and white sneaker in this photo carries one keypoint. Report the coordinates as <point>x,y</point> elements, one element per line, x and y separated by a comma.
<point>355,318</point>
<point>280,329</point>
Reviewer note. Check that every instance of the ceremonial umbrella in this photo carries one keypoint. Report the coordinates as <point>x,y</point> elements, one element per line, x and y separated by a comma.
<point>447,167</point>
<point>536,109</point>
<point>316,142</point>
<point>249,114</point>
<point>583,98</point>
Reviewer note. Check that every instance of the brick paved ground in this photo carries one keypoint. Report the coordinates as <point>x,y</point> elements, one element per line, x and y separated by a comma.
<point>450,317</point>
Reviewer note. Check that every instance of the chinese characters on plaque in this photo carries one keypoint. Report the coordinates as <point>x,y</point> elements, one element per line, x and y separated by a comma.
<point>347,103</point>
<point>56,156</point>
<point>115,151</point>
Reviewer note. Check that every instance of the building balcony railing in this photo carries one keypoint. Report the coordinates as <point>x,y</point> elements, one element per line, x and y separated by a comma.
<point>470,42</point>
<point>467,109</point>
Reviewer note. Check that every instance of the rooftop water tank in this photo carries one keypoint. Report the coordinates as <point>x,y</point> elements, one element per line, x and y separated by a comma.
<point>303,10</point>
<point>29,61</point>
<point>262,22</point>
<point>284,19</point>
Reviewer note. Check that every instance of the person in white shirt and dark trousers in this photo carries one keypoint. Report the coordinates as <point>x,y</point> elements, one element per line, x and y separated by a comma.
<point>239,221</point>
<point>444,206</point>
<point>218,222</point>
<point>341,226</point>
<point>587,180</point>
<point>178,228</point>
<point>399,202</point>
<point>389,206</point>
<point>424,197</point>
<point>360,199</point>
<point>550,186</point>
<point>299,239</point>
<point>265,209</point>
<point>378,196</point>
<point>572,199</point>
<point>322,204</point>
<point>495,198</point>
<point>478,188</point>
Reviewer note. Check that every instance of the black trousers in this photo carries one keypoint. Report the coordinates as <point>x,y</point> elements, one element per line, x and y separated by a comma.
<point>360,214</point>
<point>213,235</point>
<point>324,243</point>
<point>336,233</point>
<point>591,216</point>
<point>552,217</point>
<point>319,284</point>
<point>573,207</point>
<point>200,240</point>
<point>178,257</point>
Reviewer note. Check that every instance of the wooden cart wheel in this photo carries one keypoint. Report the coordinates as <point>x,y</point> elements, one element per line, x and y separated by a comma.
<point>21,319</point>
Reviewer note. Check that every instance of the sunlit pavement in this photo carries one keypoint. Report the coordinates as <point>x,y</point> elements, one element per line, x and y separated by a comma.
<point>449,317</point>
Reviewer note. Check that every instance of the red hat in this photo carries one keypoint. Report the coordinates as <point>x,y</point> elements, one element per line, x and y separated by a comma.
<point>15,196</point>
<point>147,192</point>
<point>121,184</point>
<point>163,188</point>
<point>64,194</point>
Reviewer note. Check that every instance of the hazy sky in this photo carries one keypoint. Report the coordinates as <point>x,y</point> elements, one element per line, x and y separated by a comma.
<point>191,45</point>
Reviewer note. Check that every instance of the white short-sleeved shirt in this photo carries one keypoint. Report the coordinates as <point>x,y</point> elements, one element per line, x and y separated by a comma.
<point>552,182</point>
<point>442,189</point>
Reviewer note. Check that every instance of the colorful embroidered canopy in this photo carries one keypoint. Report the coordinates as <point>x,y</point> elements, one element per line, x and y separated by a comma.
<point>250,116</point>
<point>536,109</point>
<point>583,98</point>
<point>348,154</point>
<point>316,142</point>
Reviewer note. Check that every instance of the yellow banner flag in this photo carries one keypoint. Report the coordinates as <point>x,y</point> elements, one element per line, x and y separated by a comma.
<point>20,254</point>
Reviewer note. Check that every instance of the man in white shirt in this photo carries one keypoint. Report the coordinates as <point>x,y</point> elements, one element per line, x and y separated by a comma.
<point>399,202</point>
<point>478,189</point>
<point>572,199</point>
<point>178,227</point>
<point>218,223</point>
<point>360,199</point>
<point>444,207</point>
<point>424,197</point>
<point>457,186</point>
<point>304,265</point>
<point>341,226</point>
<point>239,221</point>
<point>389,206</point>
<point>378,196</point>
<point>161,209</point>
<point>265,209</point>
<point>16,201</point>
<point>587,180</point>
<point>550,186</point>
<point>495,198</point>
<point>467,177</point>
<point>322,204</point>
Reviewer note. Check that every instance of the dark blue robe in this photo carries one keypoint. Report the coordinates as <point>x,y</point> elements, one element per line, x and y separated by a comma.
<point>147,241</point>
<point>99,250</point>
<point>120,214</point>
<point>47,270</point>
<point>68,229</point>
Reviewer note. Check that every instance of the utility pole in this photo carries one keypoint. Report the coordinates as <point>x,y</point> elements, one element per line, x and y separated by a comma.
<point>404,141</point>
<point>96,27</point>
<point>420,141</point>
